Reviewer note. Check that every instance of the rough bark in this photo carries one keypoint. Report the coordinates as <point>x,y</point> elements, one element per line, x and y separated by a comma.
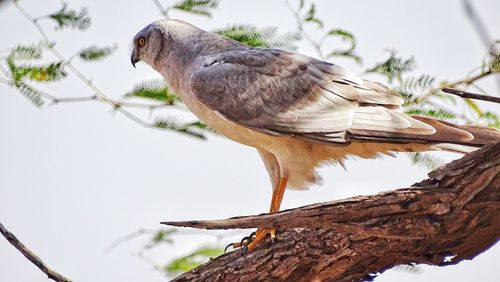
<point>450,217</point>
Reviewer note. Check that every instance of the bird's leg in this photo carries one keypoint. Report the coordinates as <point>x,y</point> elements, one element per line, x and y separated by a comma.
<point>261,233</point>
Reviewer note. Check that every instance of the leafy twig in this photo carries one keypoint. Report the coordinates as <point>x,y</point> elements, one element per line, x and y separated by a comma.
<point>300,26</point>
<point>98,95</point>
<point>466,81</point>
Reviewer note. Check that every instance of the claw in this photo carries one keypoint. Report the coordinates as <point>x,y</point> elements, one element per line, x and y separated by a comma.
<point>261,234</point>
<point>229,245</point>
<point>248,240</point>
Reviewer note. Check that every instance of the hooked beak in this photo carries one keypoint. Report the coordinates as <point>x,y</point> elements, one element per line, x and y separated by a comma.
<point>134,58</point>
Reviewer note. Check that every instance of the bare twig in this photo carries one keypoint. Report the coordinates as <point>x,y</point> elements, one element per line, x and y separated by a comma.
<point>470,80</point>
<point>163,11</point>
<point>470,95</point>
<point>478,23</point>
<point>129,237</point>
<point>481,30</point>
<point>171,232</point>
<point>6,81</point>
<point>31,256</point>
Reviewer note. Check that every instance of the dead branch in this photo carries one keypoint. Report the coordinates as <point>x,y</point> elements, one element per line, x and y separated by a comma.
<point>31,256</point>
<point>450,217</point>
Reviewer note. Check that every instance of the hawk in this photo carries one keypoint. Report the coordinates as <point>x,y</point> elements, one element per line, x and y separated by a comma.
<point>297,111</point>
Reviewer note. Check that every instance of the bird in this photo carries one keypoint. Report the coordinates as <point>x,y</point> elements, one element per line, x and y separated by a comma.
<point>297,111</point>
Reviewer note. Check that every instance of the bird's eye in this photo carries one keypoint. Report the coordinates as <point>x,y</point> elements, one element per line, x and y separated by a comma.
<point>141,41</point>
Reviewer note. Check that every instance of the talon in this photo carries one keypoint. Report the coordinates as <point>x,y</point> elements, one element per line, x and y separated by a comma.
<point>244,241</point>
<point>252,235</point>
<point>260,236</point>
<point>231,245</point>
<point>249,242</point>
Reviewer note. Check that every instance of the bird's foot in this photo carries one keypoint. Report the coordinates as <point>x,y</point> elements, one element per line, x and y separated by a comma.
<point>260,235</point>
<point>250,242</point>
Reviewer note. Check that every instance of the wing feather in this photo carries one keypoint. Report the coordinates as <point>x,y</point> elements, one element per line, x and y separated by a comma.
<point>284,93</point>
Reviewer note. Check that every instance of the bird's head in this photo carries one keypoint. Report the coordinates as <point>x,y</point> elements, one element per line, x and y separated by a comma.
<point>164,40</point>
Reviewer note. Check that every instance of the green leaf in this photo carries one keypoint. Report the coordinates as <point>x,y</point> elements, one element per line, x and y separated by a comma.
<point>209,252</point>
<point>161,237</point>
<point>197,7</point>
<point>31,94</point>
<point>494,60</point>
<point>349,51</point>
<point>44,73</point>
<point>71,18</point>
<point>155,90</point>
<point>425,160</point>
<point>346,35</point>
<point>346,54</point>
<point>311,16</point>
<point>266,37</point>
<point>495,63</point>
<point>95,53</point>
<point>29,52</point>
<point>14,71</point>
<point>416,83</point>
<point>201,126</point>
<point>445,97</point>
<point>433,113</point>
<point>409,97</point>
<point>474,106</point>
<point>394,66</point>
<point>193,260</point>
<point>191,129</point>
<point>301,4</point>
<point>491,118</point>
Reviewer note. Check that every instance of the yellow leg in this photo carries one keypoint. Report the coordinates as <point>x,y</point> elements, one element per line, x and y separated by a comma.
<point>261,233</point>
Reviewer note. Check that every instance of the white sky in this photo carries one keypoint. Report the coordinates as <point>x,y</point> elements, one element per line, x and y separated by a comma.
<point>73,178</point>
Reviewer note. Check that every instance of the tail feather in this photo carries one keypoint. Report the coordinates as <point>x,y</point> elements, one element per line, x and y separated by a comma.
<point>482,135</point>
<point>448,136</point>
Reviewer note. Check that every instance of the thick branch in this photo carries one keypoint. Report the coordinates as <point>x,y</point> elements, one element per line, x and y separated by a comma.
<point>31,256</point>
<point>452,216</point>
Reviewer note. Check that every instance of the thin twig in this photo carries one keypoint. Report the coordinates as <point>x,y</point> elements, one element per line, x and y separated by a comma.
<point>472,79</point>
<point>6,81</point>
<point>470,95</point>
<point>163,11</point>
<point>466,81</point>
<point>31,256</point>
<point>171,232</point>
<point>32,20</point>
<point>129,237</point>
<point>300,26</point>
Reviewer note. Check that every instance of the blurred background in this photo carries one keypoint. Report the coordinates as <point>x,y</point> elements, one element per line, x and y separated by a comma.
<point>85,182</point>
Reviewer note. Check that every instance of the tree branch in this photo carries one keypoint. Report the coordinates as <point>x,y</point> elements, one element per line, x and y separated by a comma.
<point>31,256</point>
<point>465,94</point>
<point>450,217</point>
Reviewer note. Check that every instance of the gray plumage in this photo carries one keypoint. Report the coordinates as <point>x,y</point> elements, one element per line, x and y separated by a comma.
<point>299,112</point>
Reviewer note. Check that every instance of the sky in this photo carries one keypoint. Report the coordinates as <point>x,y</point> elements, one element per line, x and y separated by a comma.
<point>76,177</point>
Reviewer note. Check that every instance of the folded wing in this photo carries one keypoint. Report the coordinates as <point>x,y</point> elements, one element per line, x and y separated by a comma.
<point>284,93</point>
